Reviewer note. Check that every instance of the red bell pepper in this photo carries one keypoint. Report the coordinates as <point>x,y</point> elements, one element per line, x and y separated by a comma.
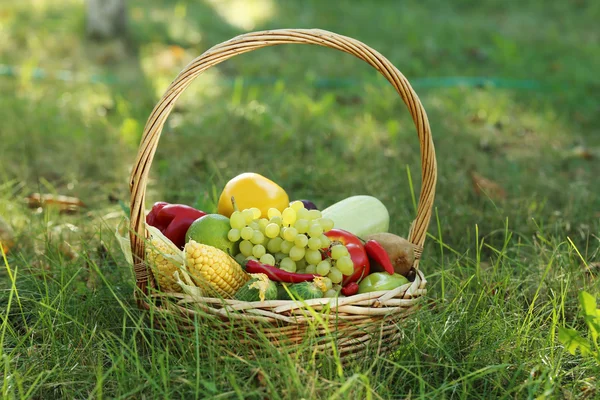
<point>377,253</point>
<point>173,220</point>
<point>276,274</point>
<point>357,253</point>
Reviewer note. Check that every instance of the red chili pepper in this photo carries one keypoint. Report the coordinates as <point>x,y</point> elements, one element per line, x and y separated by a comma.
<point>173,220</point>
<point>350,289</point>
<point>276,274</point>
<point>377,253</point>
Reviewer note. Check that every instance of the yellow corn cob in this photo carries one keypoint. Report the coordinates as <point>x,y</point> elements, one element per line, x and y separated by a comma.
<point>162,255</point>
<point>214,269</point>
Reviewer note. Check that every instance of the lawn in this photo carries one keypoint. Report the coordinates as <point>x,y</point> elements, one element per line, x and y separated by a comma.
<point>511,91</point>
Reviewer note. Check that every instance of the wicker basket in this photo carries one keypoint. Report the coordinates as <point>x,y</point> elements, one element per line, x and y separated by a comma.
<point>360,322</point>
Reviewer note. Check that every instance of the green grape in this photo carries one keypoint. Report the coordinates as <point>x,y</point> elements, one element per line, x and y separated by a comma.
<point>251,258</point>
<point>335,275</point>
<point>274,245</point>
<point>345,265</point>
<point>246,233</point>
<point>290,234</point>
<point>276,220</point>
<point>300,270</point>
<point>325,242</point>
<point>279,256</point>
<point>302,214</point>
<point>315,230</point>
<point>330,293</point>
<point>287,264</point>
<point>262,224</point>
<point>314,243</point>
<point>254,225</point>
<point>313,256</point>
<point>311,269</point>
<point>301,225</point>
<point>337,287</point>
<point>258,251</point>
<point>301,240</point>
<point>257,237</point>
<point>273,212</point>
<point>328,283</point>
<point>246,248</point>
<point>323,267</point>
<point>339,250</point>
<point>326,224</point>
<point>297,253</point>
<point>248,216</point>
<point>237,220</point>
<point>233,235</point>
<point>286,246</point>
<point>314,214</point>
<point>272,230</point>
<point>255,213</point>
<point>288,216</point>
<point>301,264</point>
<point>296,205</point>
<point>267,259</point>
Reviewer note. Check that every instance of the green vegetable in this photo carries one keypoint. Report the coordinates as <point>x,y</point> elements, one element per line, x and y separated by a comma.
<point>303,290</point>
<point>258,288</point>
<point>381,281</point>
<point>361,215</point>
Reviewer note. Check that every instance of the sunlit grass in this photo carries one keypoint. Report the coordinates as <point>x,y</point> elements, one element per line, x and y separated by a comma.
<point>503,275</point>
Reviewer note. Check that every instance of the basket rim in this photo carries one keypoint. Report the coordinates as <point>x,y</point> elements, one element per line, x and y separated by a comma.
<point>249,42</point>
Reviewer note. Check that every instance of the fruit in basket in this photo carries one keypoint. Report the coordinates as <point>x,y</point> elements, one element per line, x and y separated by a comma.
<point>360,215</point>
<point>292,240</point>
<point>355,265</point>
<point>212,230</point>
<point>258,288</point>
<point>213,270</point>
<point>173,220</point>
<point>400,251</point>
<point>381,281</point>
<point>164,259</point>
<point>251,190</point>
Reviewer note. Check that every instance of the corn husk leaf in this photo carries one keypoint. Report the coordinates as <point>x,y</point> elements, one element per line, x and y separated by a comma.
<point>124,242</point>
<point>261,284</point>
<point>184,280</point>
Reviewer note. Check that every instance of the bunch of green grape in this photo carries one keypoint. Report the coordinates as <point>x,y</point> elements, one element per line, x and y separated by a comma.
<point>293,239</point>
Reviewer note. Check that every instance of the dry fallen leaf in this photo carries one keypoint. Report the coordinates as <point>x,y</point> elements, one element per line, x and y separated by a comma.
<point>65,204</point>
<point>7,236</point>
<point>582,152</point>
<point>486,187</point>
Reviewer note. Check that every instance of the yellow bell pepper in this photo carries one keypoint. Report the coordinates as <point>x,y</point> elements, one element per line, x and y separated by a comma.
<point>252,190</point>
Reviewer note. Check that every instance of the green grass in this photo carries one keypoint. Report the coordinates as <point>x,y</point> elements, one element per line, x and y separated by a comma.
<point>503,275</point>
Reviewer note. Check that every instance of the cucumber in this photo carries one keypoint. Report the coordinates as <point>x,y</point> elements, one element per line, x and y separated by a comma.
<point>258,288</point>
<point>360,215</point>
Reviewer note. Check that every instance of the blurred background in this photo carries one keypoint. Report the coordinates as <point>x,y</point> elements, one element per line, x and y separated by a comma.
<point>511,90</point>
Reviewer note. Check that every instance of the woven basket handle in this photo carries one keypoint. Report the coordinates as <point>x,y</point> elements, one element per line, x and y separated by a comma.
<point>252,41</point>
